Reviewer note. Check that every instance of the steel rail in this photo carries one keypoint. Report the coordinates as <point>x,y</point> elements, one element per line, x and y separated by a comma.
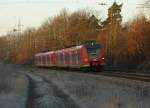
<point>132,76</point>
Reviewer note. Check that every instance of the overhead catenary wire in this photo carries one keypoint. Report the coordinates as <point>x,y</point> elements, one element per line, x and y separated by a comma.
<point>146,4</point>
<point>45,2</point>
<point>54,2</point>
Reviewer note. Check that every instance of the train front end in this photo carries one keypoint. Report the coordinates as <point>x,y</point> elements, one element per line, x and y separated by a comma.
<point>96,55</point>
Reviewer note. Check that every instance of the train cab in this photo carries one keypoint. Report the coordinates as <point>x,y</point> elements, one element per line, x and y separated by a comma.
<point>96,54</point>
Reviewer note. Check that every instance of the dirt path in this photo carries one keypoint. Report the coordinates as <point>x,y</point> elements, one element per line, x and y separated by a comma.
<point>44,94</point>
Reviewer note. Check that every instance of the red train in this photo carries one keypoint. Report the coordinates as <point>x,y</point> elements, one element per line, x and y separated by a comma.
<point>89,55</point>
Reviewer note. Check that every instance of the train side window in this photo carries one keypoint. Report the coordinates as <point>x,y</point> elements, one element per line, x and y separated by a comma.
<point>49,56</point>
<point>70,57</point>
<point>47,59</point>
<point>50,59</point>
<point>73,57</point>
<point>38,59</point>
<point>66,57</point>
<point>41,59</point>
<point>44,60</point>
<point>79,56</point>
<point>61,58</point>
<point>57,57</point>
<point>76,57</point>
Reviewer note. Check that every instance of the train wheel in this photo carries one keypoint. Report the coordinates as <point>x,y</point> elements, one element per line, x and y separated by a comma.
<point>96,68</point>
<point>93,68</point>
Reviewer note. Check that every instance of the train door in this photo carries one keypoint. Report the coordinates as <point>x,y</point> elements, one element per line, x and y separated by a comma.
<point>44,60</point>
<point>73,57</point>
<point>61,59</point>
<point>70,58</point>
<point>79,61</point>
<point>85,58</point>
<point>48,60</point>
<point>66,57</point>
<point>53,59</point>
<point>39,60</point>
<point>51,62</point>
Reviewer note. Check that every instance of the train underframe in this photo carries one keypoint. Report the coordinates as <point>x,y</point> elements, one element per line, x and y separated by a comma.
<point>96,66</point>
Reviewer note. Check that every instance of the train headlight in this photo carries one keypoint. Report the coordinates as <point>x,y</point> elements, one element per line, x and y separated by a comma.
<point>103,58</point>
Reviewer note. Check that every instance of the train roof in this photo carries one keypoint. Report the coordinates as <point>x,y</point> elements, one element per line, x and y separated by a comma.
<point>61,50</point>
<point>86,44</point>
<point>75,47</point>
<point>44,53</point>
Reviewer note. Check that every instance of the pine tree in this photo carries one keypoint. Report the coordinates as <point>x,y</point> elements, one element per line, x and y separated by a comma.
<point>114,15</point>
<point>112,24</point>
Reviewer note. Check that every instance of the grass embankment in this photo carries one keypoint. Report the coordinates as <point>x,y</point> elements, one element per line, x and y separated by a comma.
<point>13,87</point>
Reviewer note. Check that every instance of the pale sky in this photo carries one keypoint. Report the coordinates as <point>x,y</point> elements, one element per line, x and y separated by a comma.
<point>32,13</point>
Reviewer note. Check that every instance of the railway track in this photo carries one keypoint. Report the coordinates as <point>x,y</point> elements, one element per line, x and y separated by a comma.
<point>133,76</point>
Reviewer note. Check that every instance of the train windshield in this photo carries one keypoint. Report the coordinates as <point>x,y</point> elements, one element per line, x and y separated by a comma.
<point>94,51</point>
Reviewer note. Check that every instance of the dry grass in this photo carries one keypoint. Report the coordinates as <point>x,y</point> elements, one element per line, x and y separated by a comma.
<point>13,87</point>
<point>10,80</point>
<point>6,79</point>
<point>101,92</point>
